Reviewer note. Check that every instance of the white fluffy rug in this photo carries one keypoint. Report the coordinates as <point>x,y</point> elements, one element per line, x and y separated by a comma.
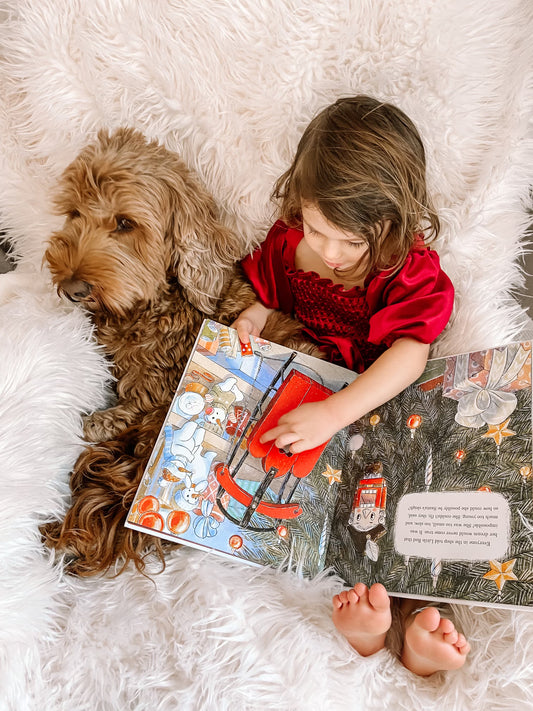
<point>230,85</point>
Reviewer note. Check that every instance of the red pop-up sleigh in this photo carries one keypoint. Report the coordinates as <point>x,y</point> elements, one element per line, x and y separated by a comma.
<point>296,389</point>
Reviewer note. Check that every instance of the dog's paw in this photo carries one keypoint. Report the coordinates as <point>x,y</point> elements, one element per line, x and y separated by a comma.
<point>103,425</point>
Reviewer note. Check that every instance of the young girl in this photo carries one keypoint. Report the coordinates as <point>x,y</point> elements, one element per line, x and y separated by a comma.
<point>348,259</point>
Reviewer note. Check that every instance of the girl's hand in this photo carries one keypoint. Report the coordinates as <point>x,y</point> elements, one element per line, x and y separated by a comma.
<point>303,428</point>
<point>314,423</point>
<point>251,321</point>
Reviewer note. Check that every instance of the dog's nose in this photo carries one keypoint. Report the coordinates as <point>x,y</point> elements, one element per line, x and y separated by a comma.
<point>75,289</point>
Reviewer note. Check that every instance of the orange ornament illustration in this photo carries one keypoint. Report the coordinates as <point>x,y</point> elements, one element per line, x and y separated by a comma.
<point>413,422</point>
<point>235,542</point>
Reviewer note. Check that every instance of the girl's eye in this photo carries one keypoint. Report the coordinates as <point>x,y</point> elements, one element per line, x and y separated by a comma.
<point>124,225</point>
<point>357,244</point>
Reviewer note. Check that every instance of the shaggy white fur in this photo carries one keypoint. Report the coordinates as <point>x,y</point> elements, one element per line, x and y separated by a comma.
<point>231,86</point>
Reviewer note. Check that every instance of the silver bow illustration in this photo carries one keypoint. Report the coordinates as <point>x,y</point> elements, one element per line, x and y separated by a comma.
<point>490,404</point>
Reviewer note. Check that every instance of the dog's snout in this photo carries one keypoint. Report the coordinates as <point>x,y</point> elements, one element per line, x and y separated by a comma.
<point>75,289</point>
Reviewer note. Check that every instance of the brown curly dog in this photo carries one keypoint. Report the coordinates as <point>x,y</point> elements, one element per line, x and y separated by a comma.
<point>143,252</point>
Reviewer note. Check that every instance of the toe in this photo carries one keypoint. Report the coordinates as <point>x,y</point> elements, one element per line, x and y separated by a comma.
<point>379,597</point>
<point>352,596</point>
<point>343,597</point>
<point>360,589</point>
<point>337,604</point>
<point>428,619</point>
<point>446,626</point>
<point>462,645</point>
<point>450,637</point>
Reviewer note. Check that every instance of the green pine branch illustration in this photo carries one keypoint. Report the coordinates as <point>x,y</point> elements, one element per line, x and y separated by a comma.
<point>461,459</point>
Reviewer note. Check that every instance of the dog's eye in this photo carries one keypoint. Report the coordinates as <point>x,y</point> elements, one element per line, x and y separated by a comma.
<point>124,225</point>
<point>73,214</point>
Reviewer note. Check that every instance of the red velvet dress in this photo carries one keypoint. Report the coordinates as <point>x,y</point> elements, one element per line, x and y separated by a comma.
<point>353,327</point>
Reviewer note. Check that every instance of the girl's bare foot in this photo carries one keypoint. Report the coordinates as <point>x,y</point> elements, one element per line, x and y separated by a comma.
<point>363,616</point>
<point>432,644</point>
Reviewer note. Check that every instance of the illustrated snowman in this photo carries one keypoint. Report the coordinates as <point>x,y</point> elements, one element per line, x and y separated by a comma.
<point>184,466</point>
<point>224,395</point>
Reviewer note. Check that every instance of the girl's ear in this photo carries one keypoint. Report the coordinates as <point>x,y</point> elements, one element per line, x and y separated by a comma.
<point>202,252</point>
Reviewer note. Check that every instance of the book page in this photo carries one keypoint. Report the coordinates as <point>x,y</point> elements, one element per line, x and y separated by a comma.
<point>211,484</point>
<point>438,493</point>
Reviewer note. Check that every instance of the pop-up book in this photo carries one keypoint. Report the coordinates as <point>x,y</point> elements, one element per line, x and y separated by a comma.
<point>430,494</point>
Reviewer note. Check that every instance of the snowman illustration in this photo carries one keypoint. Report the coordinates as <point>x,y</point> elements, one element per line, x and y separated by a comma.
<point>224,395</point>
<point>184,464</point>
<point>191,402</point>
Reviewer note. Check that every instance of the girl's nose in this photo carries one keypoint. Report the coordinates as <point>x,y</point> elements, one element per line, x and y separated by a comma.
<point>331,250</point>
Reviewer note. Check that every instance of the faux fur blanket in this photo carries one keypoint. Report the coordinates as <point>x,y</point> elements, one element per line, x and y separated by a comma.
<point>230,86</point>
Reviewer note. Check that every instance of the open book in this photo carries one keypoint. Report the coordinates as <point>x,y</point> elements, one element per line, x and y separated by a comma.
<point>430,494</point>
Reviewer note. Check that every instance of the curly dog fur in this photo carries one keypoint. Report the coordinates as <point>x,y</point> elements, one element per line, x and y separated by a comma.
<point>142,250</point>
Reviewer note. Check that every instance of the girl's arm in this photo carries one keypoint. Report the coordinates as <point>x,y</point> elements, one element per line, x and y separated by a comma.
<point>312,424</point>
<point>251,321</point>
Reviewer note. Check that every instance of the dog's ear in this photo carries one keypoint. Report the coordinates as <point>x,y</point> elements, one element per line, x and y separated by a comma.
<point>72,186</point>
<point>202,251</point>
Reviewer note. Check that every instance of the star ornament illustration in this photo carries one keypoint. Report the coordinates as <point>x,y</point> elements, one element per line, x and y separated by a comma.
<point>332,475</point>
<point>499,573</point>
<point>499,432</point>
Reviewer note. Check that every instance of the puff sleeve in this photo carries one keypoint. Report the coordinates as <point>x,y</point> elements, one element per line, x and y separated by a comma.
<point>416,301</point>
<point>266,269</point>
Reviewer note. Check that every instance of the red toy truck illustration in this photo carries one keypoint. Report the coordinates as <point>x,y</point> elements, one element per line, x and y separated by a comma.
<point>367,518</point>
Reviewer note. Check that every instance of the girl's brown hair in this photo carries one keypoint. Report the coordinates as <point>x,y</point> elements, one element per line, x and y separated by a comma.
<point>362,162</point>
